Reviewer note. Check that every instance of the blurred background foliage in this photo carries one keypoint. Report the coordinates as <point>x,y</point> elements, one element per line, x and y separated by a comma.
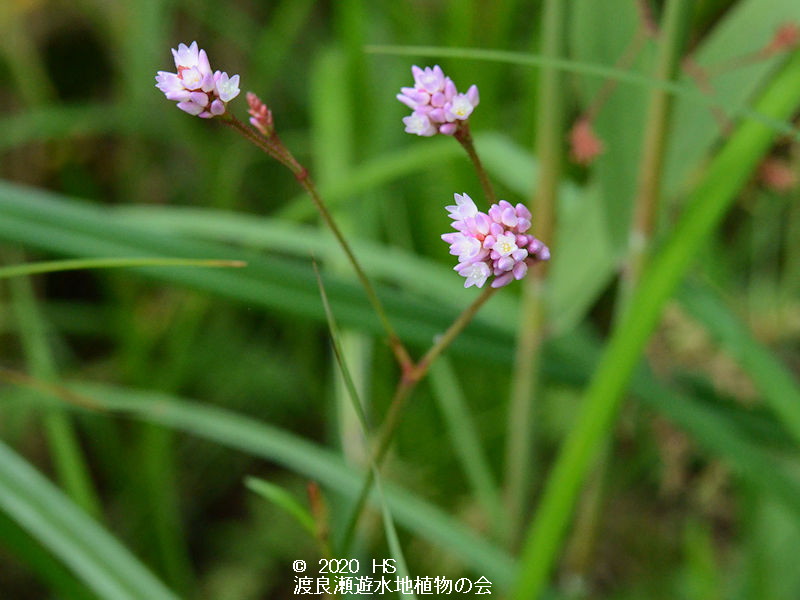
<point>200,377</point>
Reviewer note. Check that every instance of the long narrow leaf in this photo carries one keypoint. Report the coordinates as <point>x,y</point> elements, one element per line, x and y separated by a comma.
<point>64,226</point>
<point>282,499</point>
<point>706,206</point>
<point>90,551</point>
<point>312,461</point>
<point>52,266</point>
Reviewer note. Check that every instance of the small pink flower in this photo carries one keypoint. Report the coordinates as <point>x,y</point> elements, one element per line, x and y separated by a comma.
<point>505,244</point>
<point>463,208</point>
<point>462,105</point>
<point>195,87</point>
<point>475,273</point>
<point>431,80</point>
<point>437,105</point>
<point>420,124</point>
<point>227,87</point>
<point>493,243</point>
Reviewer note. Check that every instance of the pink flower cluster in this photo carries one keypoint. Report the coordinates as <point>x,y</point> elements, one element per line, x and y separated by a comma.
<point>437,105</point>
<point>494,243</point>
<point>197,90</point>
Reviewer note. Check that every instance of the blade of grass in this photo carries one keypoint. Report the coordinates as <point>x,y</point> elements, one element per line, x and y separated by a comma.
<point>47,568</point>
<point>721,435</point>
<point>283,500</point>
<point>106,263</point>
<point>96,557</point>
<point>352,392</point>
<point>466,442</point>
<point>727,172</point>
<point>422,276</point>
<point>65,450</point>
<point>59,225</point>
<point>392,539</point>
<point>310,460</point>
<point>60,121</point>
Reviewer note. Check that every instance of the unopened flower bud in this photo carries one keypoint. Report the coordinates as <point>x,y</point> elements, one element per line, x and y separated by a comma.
<point>260,115</point>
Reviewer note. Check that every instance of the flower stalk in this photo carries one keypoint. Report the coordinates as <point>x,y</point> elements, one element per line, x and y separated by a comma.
<point>272,145</point>
<point>464,137</point>
<point>492,244</point>
<point>405,386</point>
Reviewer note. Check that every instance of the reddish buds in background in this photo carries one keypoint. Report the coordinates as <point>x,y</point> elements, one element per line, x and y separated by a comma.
<point>585,146</point>
<point>787,37</point>
<point>777,175</point>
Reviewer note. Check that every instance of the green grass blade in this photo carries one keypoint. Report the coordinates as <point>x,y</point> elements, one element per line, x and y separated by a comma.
<point>65,449</point>
<point>424,277</point>
<point>64,226</point>
<point>726,174</point>
<point>91,552</point>
<point>386,513</point>
<point>50,571</point>
<point>465,440</point>
<point>310,460</point>
<point>392,538</point>
<point>283,500</point>
<point>59,122</point>
<point>53,266</point>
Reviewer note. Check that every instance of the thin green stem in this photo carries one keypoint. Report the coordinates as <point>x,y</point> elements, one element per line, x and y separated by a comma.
<point>380,448</point>
<point>647,201</point>
<point>468,448</point>
<point>519,458</point>
<point>397,346</point>
<point>276,149</point>
<point>262,142</point>
<point>321,515</point>
<point>464,137</point>
<point>409,380</point>
<point>421,368</point>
